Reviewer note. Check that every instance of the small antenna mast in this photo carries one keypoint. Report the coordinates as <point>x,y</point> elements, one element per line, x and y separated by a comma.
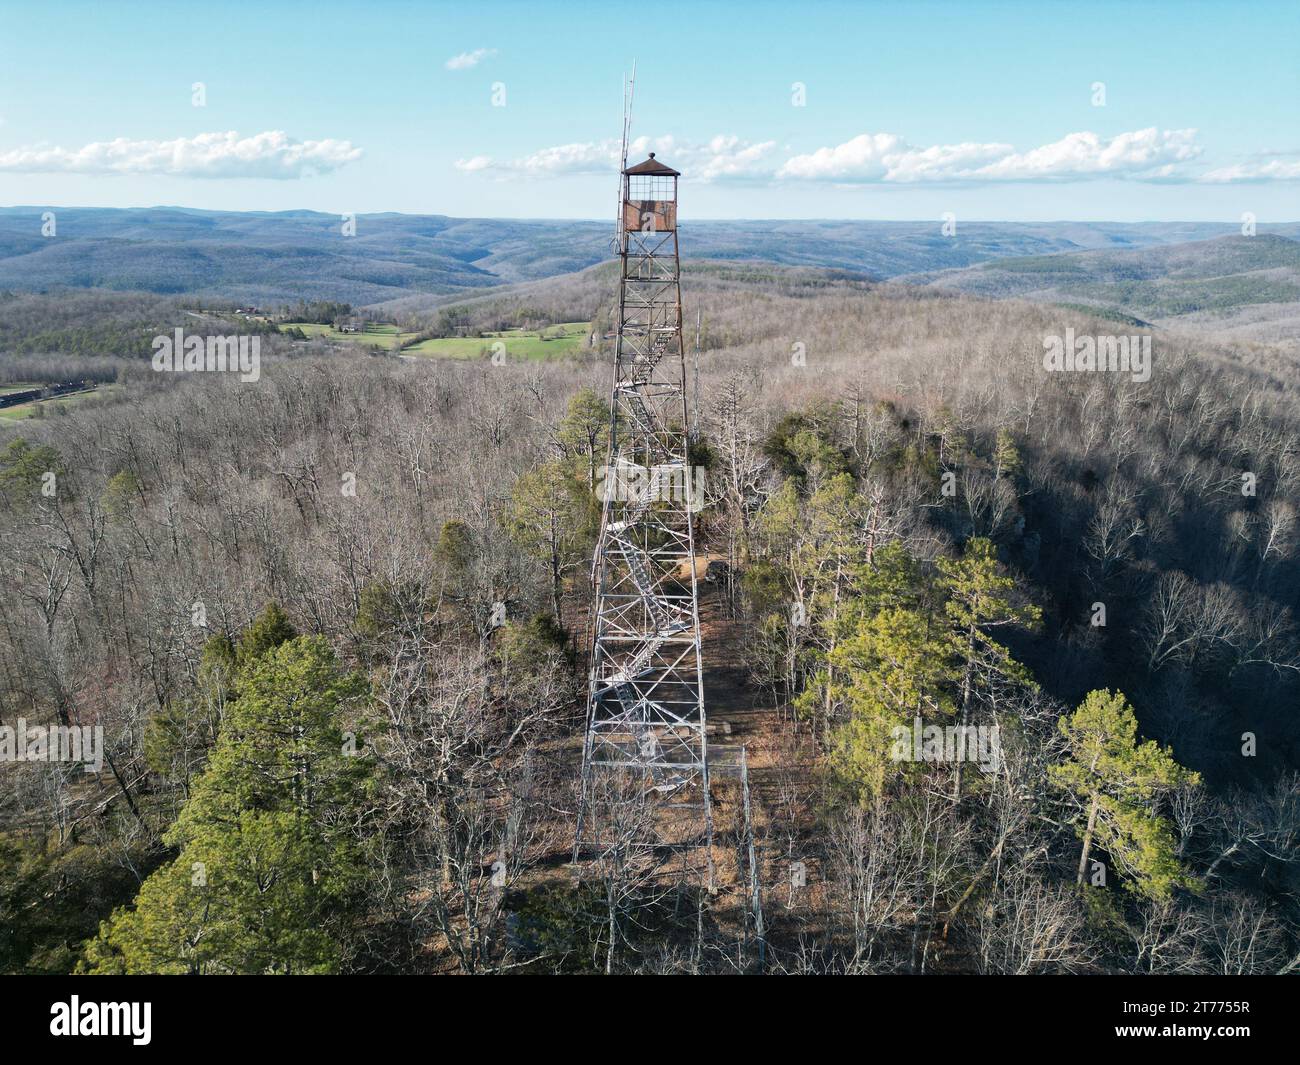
<point>627,118</point>
<point>629,93</point>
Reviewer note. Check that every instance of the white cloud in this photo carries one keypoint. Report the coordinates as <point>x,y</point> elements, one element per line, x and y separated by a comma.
<point>590,157</point>
<point>468,60</point>
<point>728,157</point>
<point>941,161</point>
<point>1276,170</point>
<point>873,157</point>
<point>477,162</point>
<point>1147,154</point>
<point>861,159</point>
<point>721,157</point>
<point>272,154</point>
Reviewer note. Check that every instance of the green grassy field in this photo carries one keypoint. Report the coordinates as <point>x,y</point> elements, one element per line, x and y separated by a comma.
<point>519,344</point>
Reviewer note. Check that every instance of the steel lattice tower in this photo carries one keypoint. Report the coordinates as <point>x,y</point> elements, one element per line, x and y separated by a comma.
<point>645,707</point>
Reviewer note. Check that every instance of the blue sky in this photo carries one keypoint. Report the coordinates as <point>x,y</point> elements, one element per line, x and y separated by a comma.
<point>908,110</point>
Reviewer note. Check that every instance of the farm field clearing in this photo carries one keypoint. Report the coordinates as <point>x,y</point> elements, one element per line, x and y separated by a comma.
<point>381,336</point>
<point>520,343</point>
<point>549,342</point>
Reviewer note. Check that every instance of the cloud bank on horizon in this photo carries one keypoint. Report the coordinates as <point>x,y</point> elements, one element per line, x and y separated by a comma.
<point>1149,155</point>
<point>272,154</point>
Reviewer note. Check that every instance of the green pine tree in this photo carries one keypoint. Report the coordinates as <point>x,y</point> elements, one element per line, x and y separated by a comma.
<point>584,432</point>
<point>1118,782</point>
<point>892,671</point>
<point>979,598</point>
<point>553,517</point>
<point>1006,456</point>
<point>23,469</point>
<point>271,872</point>
<point>270,629</point>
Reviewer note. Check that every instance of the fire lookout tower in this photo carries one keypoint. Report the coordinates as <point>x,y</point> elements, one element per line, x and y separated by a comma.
<point>645,703</point>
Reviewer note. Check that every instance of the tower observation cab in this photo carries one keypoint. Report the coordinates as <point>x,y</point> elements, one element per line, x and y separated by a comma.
<point>650,197</point>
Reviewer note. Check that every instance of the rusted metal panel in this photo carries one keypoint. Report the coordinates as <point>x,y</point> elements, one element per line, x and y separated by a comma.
<point>653,216</point>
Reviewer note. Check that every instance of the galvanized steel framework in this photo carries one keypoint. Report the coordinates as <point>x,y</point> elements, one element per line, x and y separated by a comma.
<point>645,708</point>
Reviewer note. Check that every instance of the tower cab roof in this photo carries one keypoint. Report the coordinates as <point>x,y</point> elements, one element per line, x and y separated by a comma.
<point>653,167</point>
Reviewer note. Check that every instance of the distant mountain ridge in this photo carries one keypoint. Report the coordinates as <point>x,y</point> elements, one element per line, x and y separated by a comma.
<point>272,258</point>
<point>1245,287</point>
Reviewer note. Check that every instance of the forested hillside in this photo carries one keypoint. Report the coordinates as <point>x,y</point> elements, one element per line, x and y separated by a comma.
<point>908,519</point>
<point>279,257</point>
<point>1245,287</point>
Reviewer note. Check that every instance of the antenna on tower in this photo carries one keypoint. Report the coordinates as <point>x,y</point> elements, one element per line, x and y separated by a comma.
<point>627,114</point>
<point>629,93</point>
